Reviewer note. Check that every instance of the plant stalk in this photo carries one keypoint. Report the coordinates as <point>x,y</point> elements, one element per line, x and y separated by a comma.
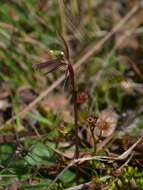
<point>74,93</point>
<point>76,124</point>
<point>94,140</point>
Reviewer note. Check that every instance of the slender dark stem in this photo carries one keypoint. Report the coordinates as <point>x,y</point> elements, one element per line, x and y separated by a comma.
<point>76,123</point>
<point>74,93</point>
<point>94,140</point>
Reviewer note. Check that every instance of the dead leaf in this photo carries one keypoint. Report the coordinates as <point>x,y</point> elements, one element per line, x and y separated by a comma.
<point>128,152</point>
<point>27,95</point>
<point>57,104</point>
<point>103,143</point>
<point>4,104</point>
<point>14,186</point>
<point>43,5</point>
<point>4,94</point>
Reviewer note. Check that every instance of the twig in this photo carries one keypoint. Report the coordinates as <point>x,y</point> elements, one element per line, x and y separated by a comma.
<point>101,158</point>
<point>88,52</point>
<point>128,152</point>
<point>126,163</point>
<point>133,65</point>
<point>136,69</point>
<point>79,187</point>
<point>73,162</point>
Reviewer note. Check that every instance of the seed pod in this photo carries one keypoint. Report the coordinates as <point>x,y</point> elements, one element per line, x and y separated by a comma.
<point>82,97</point>
<point>92,122</point>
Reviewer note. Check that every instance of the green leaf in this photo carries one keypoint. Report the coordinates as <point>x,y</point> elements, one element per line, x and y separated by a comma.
<point>68,176</point>
<point>40,118</point>
<point>40,155</point>
<point>6,151</point>
<point>43,183</point>
<point>7,180</point>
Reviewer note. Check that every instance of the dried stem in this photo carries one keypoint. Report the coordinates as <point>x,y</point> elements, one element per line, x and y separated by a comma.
<point>123,156</point>
<point>62,17</point>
